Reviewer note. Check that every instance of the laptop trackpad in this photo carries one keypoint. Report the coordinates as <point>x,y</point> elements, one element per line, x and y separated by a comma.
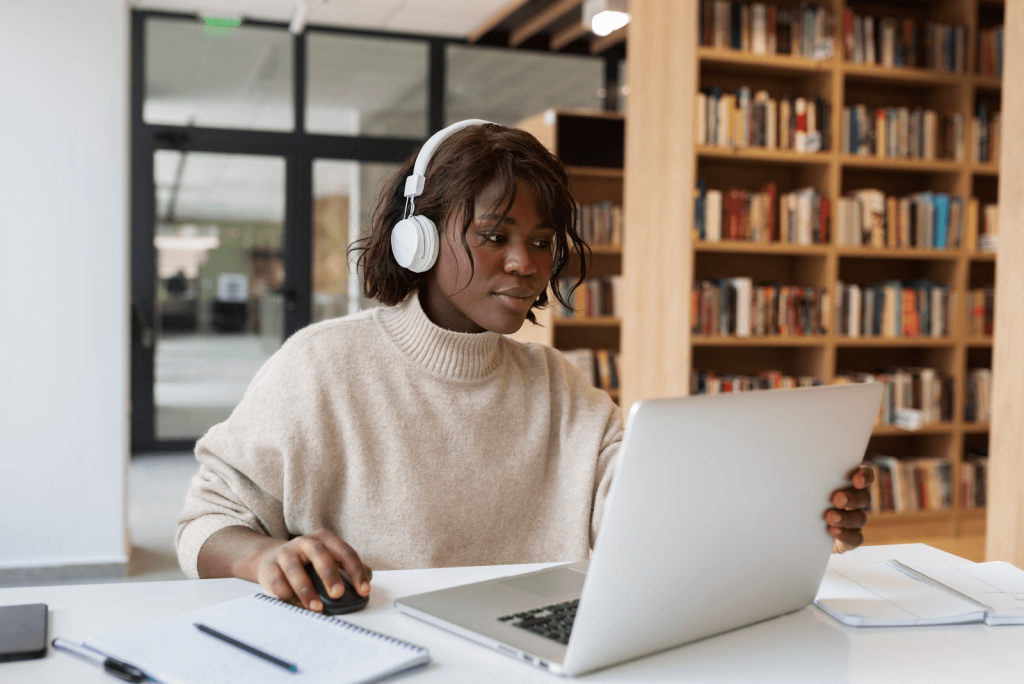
<point>549,584</point>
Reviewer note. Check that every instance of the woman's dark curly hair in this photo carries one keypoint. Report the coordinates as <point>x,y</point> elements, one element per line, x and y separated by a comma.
<point>460,169</point>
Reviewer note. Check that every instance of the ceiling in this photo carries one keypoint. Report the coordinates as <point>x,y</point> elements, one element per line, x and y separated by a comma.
<point>457,18</point>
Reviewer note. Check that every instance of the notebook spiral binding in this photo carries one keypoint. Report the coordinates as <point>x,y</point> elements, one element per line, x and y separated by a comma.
<point>341,623</point>
<point>907,570</point>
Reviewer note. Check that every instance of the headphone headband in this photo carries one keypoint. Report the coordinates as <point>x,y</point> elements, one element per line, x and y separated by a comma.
<point>414,183</point>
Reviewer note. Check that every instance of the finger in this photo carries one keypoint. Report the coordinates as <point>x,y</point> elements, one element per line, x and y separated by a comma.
<point>324,565</point>
<point>849,520</point>
<point>273,580</point>
<point>294,570</point>
<point>850,539</point>
<point>350,561</point>
<point>863,477</point>
<point>850,499</point>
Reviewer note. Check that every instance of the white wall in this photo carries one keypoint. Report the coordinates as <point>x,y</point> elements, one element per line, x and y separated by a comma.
<point>63,282</point>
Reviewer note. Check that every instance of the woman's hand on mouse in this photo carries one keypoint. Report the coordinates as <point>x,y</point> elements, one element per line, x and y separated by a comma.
<point>281,568</point>
<point>847,517</point>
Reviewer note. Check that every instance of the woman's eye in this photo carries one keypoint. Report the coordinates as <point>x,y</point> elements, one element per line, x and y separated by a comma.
<point>496,238</point>
<point>543,244</point>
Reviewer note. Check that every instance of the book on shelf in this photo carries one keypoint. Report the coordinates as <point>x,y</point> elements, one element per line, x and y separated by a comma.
<point>912,397</point>
<point>766,29</point>
<point>978,395</point>
<point>901,42</point>
<point>600,224</point>
<point>982,226</point>
<point>897,595</point>
<point>901,133</point>
<point>910,484</point>
<point>801,217</point>
<point>985,135</point>
<point>599,366</point>
<point>981,311</point>
<point>990,52</point>
<point>594,298</point>
<point>893,309</point>
<point>744,119</point>
<point>927,220</point>
<point>710,382</point>
<point>735,306</point>
<point>973,478</point>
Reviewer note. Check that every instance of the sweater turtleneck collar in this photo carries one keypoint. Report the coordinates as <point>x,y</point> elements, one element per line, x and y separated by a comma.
<point>442,353</point>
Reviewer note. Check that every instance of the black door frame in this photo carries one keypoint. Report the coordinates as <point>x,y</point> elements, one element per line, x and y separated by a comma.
<point>297,147</point>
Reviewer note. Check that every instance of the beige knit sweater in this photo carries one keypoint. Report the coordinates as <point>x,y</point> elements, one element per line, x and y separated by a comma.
<point>419,446</point>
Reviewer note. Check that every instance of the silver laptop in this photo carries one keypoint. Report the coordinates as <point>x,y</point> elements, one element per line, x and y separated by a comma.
<point>714,522</point>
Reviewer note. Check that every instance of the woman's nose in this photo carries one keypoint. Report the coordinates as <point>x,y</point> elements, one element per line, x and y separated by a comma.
<point>519,261</point>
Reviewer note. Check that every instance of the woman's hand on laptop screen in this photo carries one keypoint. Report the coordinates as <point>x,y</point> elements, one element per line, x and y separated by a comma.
<point>847,517</point>
<point>281,568</point>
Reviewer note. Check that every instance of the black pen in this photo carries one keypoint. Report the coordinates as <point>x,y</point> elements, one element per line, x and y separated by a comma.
<point>291,667</point>
<point>128,673</point>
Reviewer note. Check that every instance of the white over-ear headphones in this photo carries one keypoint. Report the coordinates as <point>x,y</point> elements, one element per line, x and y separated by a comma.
<point>414,239</point>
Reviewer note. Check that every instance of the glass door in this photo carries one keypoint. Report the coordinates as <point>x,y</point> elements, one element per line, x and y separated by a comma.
<point>219,296</point>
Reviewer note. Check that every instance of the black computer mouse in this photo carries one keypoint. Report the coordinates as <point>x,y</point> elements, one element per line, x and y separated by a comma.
<point>349,602</point>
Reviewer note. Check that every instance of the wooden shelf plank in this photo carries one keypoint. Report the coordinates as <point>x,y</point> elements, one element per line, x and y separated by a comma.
<point>787,64</point>
<point>769,341</point>
<point>896,164</point>
<point>745,247</point>
<point>983,82</point>
<point>933,429</point>
<point>900,75</point>
<point>982,256</point>
<point>985,341</point>
<point>760,154</point>
<point>901,342</point>
<point>988,169</point>
<point>594,172</point>
<point>897,253</point>
<point>975,428</point>
<point>588,321</point>
<point>891,517</point>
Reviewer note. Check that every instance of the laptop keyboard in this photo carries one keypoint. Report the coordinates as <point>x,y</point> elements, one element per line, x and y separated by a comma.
<point>553,622</point>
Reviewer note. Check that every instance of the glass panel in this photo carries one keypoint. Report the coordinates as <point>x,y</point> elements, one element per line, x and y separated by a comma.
<point>344,196</point>
<point>623,86</point>
<point>506,86</point>
<point>219,311</point>
<point>366,86</point>
<point>220,77</point>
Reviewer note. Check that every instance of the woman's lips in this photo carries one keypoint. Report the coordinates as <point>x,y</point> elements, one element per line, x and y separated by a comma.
<point>514,302</point>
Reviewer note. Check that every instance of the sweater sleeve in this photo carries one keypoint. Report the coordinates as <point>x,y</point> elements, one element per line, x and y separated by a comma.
<point>607,460</point>
<point>247,459</point>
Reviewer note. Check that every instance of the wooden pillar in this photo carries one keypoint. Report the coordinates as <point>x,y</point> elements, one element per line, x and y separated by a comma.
<point>1005,515</point>
<point>659,180</point>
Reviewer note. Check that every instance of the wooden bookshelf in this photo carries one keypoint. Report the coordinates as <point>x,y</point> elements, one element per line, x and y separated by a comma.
<point>835,174</point>
<point>596,174</point>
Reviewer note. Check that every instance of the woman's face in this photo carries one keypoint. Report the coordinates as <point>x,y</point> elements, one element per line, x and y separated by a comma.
<point>512,263</point>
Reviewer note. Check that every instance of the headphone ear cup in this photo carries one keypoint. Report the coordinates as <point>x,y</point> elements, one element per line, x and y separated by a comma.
<point>414,243</point>
<point>430,244</point>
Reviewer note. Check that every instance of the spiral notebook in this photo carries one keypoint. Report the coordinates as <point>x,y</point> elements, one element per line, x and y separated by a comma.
<point>325,649</point>
<point>897,595</point>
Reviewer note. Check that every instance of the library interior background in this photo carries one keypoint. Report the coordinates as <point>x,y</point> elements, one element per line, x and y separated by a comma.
<point>845,166</point>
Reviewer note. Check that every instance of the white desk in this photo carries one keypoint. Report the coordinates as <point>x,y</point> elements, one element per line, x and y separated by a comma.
<point>805,646</point>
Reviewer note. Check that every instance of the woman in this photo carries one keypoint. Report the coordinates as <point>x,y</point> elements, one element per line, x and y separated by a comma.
<point>416,434</point>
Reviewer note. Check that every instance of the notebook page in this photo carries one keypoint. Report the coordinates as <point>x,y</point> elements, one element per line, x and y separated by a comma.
<point>853,604</point>
<point>175,652</point>
<point>888,597</point>
<point>997,585</point>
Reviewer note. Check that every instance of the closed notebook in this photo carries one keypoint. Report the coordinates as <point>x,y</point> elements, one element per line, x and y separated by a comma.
<point>895,595</point>
<point>324,648</point>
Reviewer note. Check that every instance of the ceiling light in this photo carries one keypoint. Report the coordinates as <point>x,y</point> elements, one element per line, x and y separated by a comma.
<point>298,23</point>
<point>605,16</point>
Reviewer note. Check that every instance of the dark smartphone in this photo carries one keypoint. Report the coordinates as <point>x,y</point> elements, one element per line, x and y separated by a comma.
<point>23,632</point>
